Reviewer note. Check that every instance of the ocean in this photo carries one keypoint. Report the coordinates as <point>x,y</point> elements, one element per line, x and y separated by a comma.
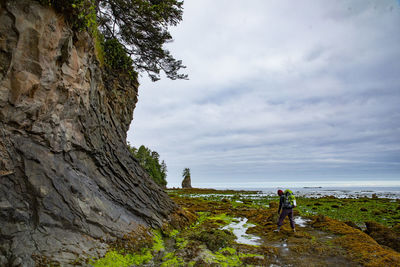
<point>339,192</point>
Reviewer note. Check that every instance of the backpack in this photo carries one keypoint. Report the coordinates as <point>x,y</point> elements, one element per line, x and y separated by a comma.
<point>289,201</point>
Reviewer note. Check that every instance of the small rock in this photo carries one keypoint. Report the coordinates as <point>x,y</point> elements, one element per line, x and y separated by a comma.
<point>17,262</point>
<point>3,260</point>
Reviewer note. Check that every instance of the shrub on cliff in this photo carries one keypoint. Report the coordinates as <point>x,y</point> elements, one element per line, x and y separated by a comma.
<point>150,161</point>
<point>116,57</point>
<point>140,27</point>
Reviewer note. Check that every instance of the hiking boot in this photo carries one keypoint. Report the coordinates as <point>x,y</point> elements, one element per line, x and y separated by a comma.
<point>294,230</point>
<point>277,230</point>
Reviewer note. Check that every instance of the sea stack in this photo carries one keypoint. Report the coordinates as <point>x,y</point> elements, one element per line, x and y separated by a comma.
<point>187,183</point>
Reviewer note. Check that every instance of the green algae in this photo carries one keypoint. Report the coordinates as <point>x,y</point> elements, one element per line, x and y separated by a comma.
<point>181,243</point>
<point>202,217</point>
<point>229,257</point>
<point>221,219</point>
<point>194,245</point>
<point>121,259</point>
<point>170,259</point>
<point>214,239</point>
<point>227,260</point>
<point>358,211</point>
<point>173,233</point>
<point>115,259</point>
<point>158,244</point>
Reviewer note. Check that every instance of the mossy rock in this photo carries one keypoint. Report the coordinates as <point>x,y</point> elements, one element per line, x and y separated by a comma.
<point>352,224</point>
<point>247,201</point>
<point>377,212</point>
<point>273,205</point>
<point>383,235</point>
<point>215,239</point>
<point>257,260</point>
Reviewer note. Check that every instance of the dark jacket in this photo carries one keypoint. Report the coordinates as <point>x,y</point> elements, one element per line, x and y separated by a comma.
<point>281,200</point>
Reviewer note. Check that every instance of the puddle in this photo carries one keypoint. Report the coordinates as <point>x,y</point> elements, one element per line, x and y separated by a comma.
<point>300,221</point>
<point>282,246</point>
<point>239,228</point>
<point>285,247</point>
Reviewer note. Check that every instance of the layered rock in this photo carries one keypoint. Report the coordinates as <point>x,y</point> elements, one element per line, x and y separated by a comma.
<point>69,185</point>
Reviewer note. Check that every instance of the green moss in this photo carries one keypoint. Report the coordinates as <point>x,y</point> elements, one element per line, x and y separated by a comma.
<point>120,259</point>
<point>227,257</point>
<point>171,260</point>
<point>98,46</point>
<point>202,216</point>
<point>228,250</point>
<point>158,244</point>
<point>173,233</point>
<point>221,218</point>
<point>214,238</point>
<point>181,243</point>
<point>113,258</point>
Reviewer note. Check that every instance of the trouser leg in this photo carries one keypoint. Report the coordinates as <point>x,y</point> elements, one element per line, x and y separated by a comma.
<point>290,215</point>
<point>282,217</point>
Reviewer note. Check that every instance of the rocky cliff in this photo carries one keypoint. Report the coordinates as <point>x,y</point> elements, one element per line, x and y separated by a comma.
<point>69,185</point>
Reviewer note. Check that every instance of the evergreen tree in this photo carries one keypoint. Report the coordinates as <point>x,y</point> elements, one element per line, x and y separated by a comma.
<point>149,160</point>
<point>142,27</point>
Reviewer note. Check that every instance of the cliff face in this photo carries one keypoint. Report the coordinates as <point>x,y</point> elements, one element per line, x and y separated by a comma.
<point>68,182</point>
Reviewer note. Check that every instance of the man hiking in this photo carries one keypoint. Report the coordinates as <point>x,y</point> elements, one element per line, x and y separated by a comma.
<point>287,202</point>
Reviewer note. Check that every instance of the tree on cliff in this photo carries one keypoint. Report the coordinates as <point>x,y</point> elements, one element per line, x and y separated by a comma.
<point>142,27</point>
<point>139,26</point>
<point>149,160</point>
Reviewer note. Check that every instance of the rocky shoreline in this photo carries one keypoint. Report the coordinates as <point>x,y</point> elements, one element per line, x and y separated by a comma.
<point>229,228</point>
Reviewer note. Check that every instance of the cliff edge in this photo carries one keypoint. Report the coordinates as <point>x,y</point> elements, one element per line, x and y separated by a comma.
<point>69,185</point>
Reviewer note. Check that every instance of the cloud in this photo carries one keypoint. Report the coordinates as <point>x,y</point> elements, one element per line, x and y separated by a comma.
<point>279,90</point>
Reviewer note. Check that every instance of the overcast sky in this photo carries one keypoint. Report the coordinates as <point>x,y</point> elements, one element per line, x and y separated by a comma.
<point>280,93</point>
